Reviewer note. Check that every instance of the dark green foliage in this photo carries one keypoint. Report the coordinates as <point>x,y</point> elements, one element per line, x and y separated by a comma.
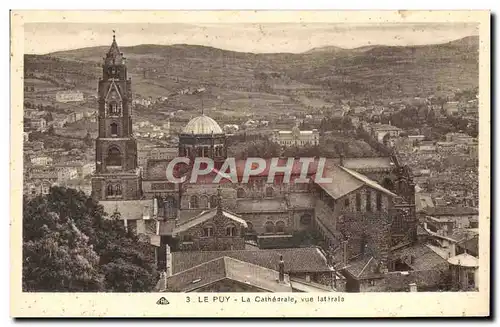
<point>70,246</point>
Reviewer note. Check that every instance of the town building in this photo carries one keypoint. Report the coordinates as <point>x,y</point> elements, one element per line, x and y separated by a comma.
<point>460,138</point>
<point>296,137</point>
<point>41,161</point>
<point>451,108</point>
<point>38,123</point>
<point>69,96</point>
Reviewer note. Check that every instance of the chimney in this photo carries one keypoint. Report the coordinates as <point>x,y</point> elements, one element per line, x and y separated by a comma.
<point>413,287</point>
<point>168,261</point>
<point>281,270</point>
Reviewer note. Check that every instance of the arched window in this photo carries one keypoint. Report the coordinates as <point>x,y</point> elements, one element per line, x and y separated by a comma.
<point>169,206</point>
<point>231,231</point>
<point>379,201</point>
<point>213,201</point>
<point>203,201</point>
<point>280,227</point>
<point>269,227</point>
<point>114,129</point>
<point>388,184</point>
<point>208,231</point>
<point>240,193</point>
<point>118,189</point>
<point>269,192</point>
<point>193,202</point>
<point>114,157</point>
<point>306,219</point>
<point>109,190</point>
<point>249,226</point>
<point>113,108</point>
<point>368,201</point>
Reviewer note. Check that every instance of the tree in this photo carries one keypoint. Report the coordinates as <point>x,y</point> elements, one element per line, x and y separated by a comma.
<point>84,250</point>
<point>60,259</point>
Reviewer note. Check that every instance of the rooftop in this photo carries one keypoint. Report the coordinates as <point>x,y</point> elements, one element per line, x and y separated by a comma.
<point>227,268</point>
<point>296,259</point>
<point>202,125</point>
<point>450,211</point>
<point>204,216</point>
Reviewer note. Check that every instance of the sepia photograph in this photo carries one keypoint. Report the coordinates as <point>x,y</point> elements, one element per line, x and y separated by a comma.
<point>252,157</point>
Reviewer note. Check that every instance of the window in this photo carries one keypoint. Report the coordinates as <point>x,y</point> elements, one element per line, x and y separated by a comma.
<point>280,227</point>
<point>470,279</point>
<point>231,231</point>
<point>213,201</point>
<point>305,219</point>
<point>110,191</point>
<point>379,201</point>
<point>169,206</point>
<point>208,231</point>
<point>45,188</point>
<point>240,193</point>
<point>113,108</point>
<point>346,203</point>
<point>368,201</point>
<point>118,189</point>
<point>114,129</point>
<point>114,157</point>
<point>203,201</point>
<point>269,192</point>
<point>269,227</point>
<point>358,202</point>
<point>193,202</point>
<point>249,226</point>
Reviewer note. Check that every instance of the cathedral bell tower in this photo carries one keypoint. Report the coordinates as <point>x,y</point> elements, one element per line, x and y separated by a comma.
<point>117,176</point>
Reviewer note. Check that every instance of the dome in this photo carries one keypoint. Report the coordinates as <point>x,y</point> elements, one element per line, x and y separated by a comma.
<point>202,125</point>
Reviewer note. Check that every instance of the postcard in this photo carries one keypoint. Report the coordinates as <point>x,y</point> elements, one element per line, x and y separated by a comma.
<point>226,163</point>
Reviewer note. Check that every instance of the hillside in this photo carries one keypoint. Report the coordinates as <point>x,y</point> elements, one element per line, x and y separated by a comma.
<point>298,82</point>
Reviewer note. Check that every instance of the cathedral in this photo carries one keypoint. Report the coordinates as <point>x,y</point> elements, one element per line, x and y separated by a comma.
<point>365,212</point>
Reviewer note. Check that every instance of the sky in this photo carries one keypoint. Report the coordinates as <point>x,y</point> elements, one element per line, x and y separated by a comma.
<point>42,38</point>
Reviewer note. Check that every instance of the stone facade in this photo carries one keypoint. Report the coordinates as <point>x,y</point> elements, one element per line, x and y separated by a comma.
<point>117,175</point>
<point>216,234</point>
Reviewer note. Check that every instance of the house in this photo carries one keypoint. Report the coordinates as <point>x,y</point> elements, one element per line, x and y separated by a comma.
<point>382,131</point>
<point>416,265</point>
<point>451,108</point>
<point>41,161</point>
<point>449,218</point>
<point>460,138</point>
<point>39,123</point>
<point>227,274</point>
<point>307,264</point>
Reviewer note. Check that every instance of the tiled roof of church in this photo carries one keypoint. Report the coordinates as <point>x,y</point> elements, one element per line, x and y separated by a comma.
<point>204,216</point>
<point>369,182</point>
<point>342,182</point>
<point>296,259</point>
